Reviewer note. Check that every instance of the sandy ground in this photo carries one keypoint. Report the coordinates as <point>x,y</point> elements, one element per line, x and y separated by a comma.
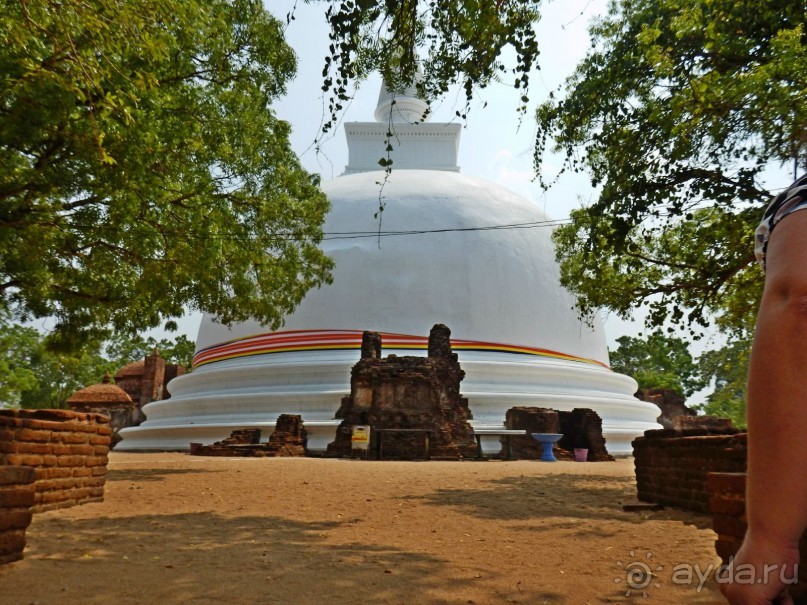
<point>180,529</point>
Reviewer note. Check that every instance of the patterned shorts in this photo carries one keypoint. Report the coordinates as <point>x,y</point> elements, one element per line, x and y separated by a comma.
<point>792,199</point>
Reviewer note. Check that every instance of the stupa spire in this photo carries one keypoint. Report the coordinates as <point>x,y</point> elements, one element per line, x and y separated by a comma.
<point>402,107</point>
<point>416,146</point>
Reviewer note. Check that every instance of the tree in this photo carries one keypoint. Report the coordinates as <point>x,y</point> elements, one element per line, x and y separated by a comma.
<point>60,374</point>
<point>16,343</point>
<point>142,171</point>
<point>35,376</point>
<point>676,112</point>
<point>728,368</point>
<point>658,362</point>
<point>122,349</point>
<point>453,41</point>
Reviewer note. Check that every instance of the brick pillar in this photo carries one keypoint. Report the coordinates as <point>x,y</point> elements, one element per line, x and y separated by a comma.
<point>16,499</point>
<point>172,370</point>
<point>151,389</point>
<point>727,505</point>
<point>371,345</point>
<point>440,342</point>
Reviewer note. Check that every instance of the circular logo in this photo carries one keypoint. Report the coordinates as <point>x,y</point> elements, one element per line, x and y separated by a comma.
<point>638,575</point>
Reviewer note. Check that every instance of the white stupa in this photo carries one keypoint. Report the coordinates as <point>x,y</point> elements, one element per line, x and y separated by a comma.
<point>453,249</point>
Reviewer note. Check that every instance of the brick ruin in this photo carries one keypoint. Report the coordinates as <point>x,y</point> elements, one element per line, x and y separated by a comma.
<point>581,428</point>
<point>146,380</point>
<point>16,499</point>
<point>700,465</point>
<point>110,400</point>
<point>727,504</point>
<point>672,465</point>
<point>49,459</point>
<point>136,384</point>
<point>288,440</point>
<point>670,403</point>
<point>67,450</point>
<point>407,392</point>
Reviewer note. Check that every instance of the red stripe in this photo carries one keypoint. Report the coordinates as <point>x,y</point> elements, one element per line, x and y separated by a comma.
<point>302,340</point>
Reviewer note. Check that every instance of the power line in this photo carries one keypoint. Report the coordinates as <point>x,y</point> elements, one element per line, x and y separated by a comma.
<point>327,235</point>
<point>334,235</point>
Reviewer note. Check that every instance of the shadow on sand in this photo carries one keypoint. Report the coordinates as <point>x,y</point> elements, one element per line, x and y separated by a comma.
<point>204,558</point>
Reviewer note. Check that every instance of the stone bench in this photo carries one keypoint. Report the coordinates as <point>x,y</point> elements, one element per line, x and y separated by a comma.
<point>506,433</point>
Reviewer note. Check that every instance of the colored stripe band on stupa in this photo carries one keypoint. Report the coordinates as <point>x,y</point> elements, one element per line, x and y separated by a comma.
<point>325,340</point>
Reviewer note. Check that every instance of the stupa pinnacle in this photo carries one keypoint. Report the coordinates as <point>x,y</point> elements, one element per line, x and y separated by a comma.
<point>401,108</point>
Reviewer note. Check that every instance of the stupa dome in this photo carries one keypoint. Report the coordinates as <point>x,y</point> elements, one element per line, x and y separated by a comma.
<point>103,394</point>
<point>447,248</point>
<point>437,262</point>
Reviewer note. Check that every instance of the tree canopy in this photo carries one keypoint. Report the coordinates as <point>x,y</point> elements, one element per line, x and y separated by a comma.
<point>32,375</point>
<point>727,369</point>
<point>658,362</point>
<point>451,41</point>
<point>142,171</point>
<point>676,112</point>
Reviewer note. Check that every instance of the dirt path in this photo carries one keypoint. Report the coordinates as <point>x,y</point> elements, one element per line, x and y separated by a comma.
<point>181,529</point>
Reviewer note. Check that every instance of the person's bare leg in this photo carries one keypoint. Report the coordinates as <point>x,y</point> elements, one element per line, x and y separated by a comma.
<point>777,420</point>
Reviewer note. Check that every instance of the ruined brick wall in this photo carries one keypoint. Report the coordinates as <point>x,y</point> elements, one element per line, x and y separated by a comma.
<point>287,440</point>
<point>16,499</point>
<point>581,428</point>
<point>672,466</point>
<point>671,405</point>
<point>408,392</point>
<point>67,451</point>
<point>727,505</point>
<point>120,416</point>
<point>532,420</point>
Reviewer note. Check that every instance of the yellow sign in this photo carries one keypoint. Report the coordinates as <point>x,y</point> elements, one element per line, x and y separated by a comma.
<point>361,437</point>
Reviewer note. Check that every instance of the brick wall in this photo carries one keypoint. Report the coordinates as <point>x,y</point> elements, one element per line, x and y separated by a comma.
<point>16,498</point>
<point>672,466</point>
<point>727,504</point>
<point>67,451</point>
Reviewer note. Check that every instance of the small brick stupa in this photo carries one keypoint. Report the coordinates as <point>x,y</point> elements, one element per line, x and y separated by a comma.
<point>109,399</point>
<point>408,393</point>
